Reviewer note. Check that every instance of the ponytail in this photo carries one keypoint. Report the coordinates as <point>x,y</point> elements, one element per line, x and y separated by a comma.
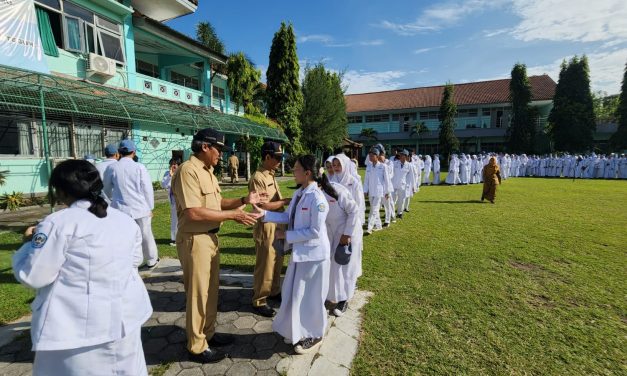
<point>310,163</point>
<point>326,186</point>
<point>80,180</point>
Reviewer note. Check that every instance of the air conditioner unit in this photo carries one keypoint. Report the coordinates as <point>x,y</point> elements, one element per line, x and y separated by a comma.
<point>100,66</point>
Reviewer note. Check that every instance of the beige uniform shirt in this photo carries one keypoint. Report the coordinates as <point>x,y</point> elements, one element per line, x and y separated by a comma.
<point>264,181</point>
<point>233,162</point>
<point>195,186</point>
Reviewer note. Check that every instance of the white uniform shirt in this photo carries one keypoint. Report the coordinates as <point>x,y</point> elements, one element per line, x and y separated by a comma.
<point>343,211</point>
<point>377,182</point>
<point>128,185</point>
<point>308,238</point>
<point>102,166</point>
<point>403,177</point>
<point>85,271</point>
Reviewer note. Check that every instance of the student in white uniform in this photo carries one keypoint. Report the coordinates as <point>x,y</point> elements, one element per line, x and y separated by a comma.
<point>403,183</point>
<point>342,222</point>
<point>426,176</point>
<point>112,156</point>
<point>376,187</point>
<point>302,317</point>
<point>436,169</point>
<point>82,261</point>
<point>166,183</point>
<point>387,201</point>
<point>128,185</point>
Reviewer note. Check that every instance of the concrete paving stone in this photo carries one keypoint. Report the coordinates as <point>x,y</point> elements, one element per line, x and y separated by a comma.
<point>226,317</point>
<point>174,369</point>
<point>228,306</point>
<point>226,328</point>
<point>265,341</point>
<point>245,322</point>
<point>160,331</point>
<point>229,295</point>
<point>242,352</point>
<point>178,297</point>
<point>296,365</point>
<point>154,345</point>
<point>185,364</point>
<point>172,353</point>
<point>25,356</point>
<point>323,367</point>
<point>241,369</point>
<point>159,303</point>
<point>263,326</point>
<point>155,288</point>
<point>15,346</point>
<point>348,326</point>
<point>339,347</point>
<point>175,306</point>
<point>269,372</point>
<point>169,317</point>
<point>6,359</point>
<point>215,369</point>
<point>18,368</point>
<point>265,360</point>
<point>192,372</point>
<point>180,322</point>
<point>177,336</point>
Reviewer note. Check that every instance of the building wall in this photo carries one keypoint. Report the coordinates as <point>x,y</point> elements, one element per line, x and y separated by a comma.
<point>25,175</point>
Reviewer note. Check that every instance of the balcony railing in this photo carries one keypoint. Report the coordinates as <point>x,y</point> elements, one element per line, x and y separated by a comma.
<point>168,90</point>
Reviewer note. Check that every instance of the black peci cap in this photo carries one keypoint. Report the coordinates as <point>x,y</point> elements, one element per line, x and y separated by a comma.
<point>212,137</point>
<point>271,147</point>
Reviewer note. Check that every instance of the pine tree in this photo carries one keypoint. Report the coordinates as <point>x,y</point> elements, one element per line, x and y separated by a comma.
<point>618,141</point>
<point>206,34</point>
<point>448,110</point>
<point>324,112</point>
<point>521,132</point>
<point>285,99</point>
<point>572,118</point>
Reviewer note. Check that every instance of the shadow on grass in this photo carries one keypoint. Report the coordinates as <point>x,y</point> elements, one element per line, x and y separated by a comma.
<point>10,246</point>
<point>453,202</point>
<point>165,241</point>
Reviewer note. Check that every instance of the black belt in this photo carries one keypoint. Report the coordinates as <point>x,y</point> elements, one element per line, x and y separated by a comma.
<point>214,230</point>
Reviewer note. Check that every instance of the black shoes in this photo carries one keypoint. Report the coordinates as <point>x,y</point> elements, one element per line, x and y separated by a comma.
<point>340,308</point>
<point>308,345</point>
<point>399,216</point>
<point>406,210</point>
<point>264,310</point>
<point>386,225</point>
<point>221,339</point>
<point>208,356</point>
<point>149,267</point>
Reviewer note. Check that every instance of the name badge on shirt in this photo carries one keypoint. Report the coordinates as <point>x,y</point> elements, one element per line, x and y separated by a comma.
<point>304,208</point>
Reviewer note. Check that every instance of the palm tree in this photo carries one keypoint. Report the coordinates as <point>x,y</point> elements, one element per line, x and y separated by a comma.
<point>417,130</point>
<point>3,177</point>
<point>369,133</point>
<point>207,36</point>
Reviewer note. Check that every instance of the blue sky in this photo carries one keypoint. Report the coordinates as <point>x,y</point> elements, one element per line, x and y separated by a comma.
<point>385,45</point>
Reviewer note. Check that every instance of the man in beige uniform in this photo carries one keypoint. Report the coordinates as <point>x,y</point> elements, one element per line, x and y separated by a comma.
<point>201,210</point>
<point>267,276</point>
<point>233,167</point>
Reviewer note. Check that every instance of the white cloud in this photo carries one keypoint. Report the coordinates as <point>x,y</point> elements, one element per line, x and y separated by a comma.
<point>606,70</point>
<point>427,49</point>
<point>359,81</point>
<point>570,20</point>
<point>439,16</point>
<point>320,38</point>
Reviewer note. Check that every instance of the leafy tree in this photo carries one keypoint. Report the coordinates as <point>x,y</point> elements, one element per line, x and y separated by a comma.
<point>572,118</point>
<point>283,94</point>
<point>243,81</point>
<point>521,132</point>
<point>618,141</point>
<point>369,134</point>
<point>324,111</point>
<point>206,34</point>
<point>448,109</point>
<point>417,130</point>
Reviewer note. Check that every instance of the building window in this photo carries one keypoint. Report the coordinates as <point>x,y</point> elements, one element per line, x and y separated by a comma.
<point>353,119</point>
<point>80,30</point>
<point>485,112</point>
<point>147,69</point>
<point>16,137</point>
<point>404,117</point>
<point>429,115</point>
<point>467,112</point>
<point>183,80</point>
<point>219,93</point>
<point>377,118</point>
<point>88,140</point>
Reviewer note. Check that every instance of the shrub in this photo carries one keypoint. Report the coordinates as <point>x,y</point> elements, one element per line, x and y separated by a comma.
<point>12,201</point>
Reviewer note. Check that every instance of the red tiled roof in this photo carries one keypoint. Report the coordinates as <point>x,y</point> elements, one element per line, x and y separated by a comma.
<point>485,92</point>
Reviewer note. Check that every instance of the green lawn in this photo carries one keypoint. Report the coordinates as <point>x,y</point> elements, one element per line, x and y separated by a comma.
<point>532,285</point>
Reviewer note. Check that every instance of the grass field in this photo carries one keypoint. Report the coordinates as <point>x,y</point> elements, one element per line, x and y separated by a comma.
<point>532,285</point>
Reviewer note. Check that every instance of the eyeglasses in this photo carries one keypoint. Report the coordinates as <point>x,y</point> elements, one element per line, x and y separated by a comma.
<point>218,147</point>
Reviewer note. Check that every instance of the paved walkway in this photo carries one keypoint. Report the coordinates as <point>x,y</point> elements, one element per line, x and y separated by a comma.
<point>256,351</point>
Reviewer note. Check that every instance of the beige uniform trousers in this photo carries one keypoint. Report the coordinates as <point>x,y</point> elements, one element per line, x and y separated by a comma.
<point>200,260</point>
<point>267,274</point>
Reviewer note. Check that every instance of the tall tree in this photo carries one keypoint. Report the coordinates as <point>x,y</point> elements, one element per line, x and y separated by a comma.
<point>283,94</point>
<point>521,132</point>
<point>572,118</point>
<point>206,34</point>
<point>448,110</point>
<point>618,141</point>
<point>324,110</point>
<point>243,81</point>
<point>369,134</point>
